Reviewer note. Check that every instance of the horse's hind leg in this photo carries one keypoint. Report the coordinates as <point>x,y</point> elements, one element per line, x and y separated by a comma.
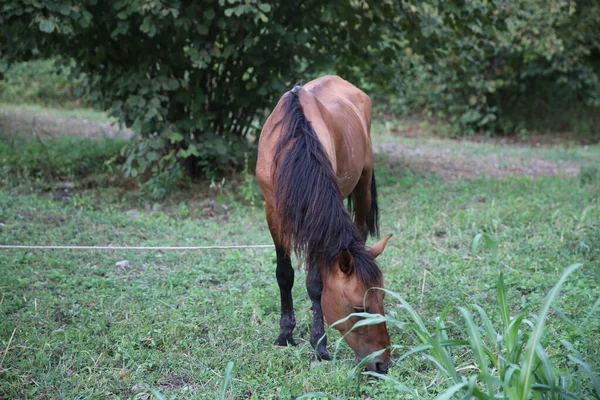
<point>285,280</point>
<point>361,197</point>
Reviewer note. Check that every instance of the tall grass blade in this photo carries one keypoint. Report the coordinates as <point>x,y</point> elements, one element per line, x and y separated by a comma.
<point>489,328</point>
<point>512,337</point>
<point>526,377</point>
<point>418,349</point>
<point>475,244</point>
<point>563,394</point>
<point>314,395</point>
<point>398,384</point>
<point>507,383</point>
<point>503,303</point>
<point>158,395</point>
<point>594,358</point>
<point>547,371</point>
<point>592,311</point>
<point>354,372</point>
<point>226,380</point>
<point>367,319</point>
<point>490,243</point>
<point>452,390</point>
<point>415,315</point>
<point>476,345</point>
<point>588,369</point>
<point>474,391</point>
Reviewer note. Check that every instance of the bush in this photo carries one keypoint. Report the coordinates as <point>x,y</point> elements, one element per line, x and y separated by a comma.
<point>39,82</point>
<point>498,66</point>
<point>197,78</point>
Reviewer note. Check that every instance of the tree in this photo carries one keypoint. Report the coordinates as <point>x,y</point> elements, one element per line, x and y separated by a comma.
<point>195,77</point>
<point>489,64</point>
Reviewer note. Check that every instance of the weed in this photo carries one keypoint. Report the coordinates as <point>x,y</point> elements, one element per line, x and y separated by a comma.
<point>40,82</point>
<point>56,158</point>
<point>248,188</point>
<point>589,174</point>
<point>509,363</point>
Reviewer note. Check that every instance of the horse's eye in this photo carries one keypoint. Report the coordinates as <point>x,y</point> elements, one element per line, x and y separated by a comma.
<point>359,310</point>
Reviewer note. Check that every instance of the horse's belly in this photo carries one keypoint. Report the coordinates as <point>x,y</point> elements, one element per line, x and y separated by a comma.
<point>347,182</point>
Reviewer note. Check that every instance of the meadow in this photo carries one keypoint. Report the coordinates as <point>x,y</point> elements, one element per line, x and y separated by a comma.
<point>166,324</point>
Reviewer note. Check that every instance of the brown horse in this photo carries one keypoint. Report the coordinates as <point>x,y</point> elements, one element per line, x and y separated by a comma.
<point>314,151</point>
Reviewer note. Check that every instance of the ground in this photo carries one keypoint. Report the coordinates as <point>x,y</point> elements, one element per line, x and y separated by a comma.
<point>77,324</point>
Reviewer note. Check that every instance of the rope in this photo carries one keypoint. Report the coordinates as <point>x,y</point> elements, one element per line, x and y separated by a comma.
<point>250,246</point>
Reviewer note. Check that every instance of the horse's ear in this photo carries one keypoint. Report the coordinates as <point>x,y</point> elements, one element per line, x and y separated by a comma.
<point>378,247</point>
<point>346,262</point>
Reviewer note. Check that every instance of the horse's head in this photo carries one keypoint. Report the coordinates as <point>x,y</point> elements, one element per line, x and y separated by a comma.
<point>344,292</point>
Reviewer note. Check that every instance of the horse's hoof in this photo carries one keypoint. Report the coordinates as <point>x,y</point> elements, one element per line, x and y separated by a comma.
<point>320,355</point>
<point>284,342</point>
<point>324,355</point>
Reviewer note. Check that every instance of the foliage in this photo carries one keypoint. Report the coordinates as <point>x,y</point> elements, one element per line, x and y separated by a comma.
<point>248,188</point>
<point>509,363</point>
<point>39,82</point>
<point>503,66</point>
<point>56,158</point>
<point>195,78</point>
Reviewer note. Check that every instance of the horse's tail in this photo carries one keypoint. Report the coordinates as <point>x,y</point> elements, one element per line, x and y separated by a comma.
<point>373,214</point>
<point>309,206</point>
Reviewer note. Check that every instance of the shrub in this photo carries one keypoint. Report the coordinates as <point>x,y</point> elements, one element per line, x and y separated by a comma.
<point>499,66</point>
<point>196,78</point>
<point>40,82</point>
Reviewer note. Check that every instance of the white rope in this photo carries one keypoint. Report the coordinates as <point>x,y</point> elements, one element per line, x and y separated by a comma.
<point>250,246</point>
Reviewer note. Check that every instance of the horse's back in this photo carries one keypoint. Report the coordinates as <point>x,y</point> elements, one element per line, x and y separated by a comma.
<point>340,114</point>
<point>338,95</point>
<point>348,114</point>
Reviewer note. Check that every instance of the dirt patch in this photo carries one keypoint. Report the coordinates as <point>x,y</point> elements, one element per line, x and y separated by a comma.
<point>176,382</point>
<point>450,166</point>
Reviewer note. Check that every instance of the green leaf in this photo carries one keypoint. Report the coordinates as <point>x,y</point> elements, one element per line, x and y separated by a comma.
<point>476,344</point>
<point>397,384</point>
<point>449,394</point>
<point>313,395</point>
<point>46,26</point>
<point>503,301</point>
<point>158,395</point>
<point>490,243</point>
<point>227,377</point>
<point>264,7</point>
<point>152,112</point>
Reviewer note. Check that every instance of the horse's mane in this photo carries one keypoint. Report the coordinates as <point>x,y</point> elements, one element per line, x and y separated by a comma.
<point>309,206</point>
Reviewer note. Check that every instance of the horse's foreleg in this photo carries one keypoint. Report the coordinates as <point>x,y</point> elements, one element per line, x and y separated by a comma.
<point>314,287</point>
<point>285,280</point>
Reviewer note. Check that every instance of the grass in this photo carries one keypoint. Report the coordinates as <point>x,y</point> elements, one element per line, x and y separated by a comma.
<point>201,324</point>
<point>34,120</point>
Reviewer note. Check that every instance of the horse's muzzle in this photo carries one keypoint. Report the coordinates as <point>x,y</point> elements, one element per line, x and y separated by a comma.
<point>379,365</point>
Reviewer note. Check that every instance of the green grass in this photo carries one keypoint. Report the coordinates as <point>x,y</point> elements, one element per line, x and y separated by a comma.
<point>38,81</point>
<point>56,112</point>
<point>60,158</point>
<point>170,323</point>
